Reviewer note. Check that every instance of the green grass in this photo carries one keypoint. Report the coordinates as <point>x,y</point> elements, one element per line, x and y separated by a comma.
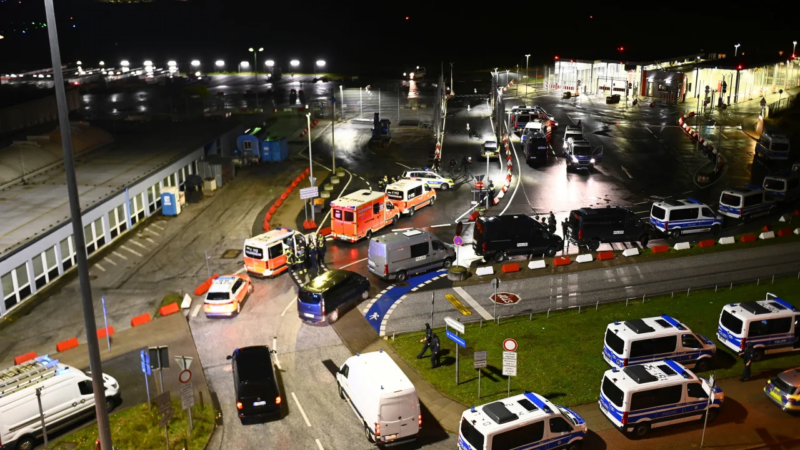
<point>137,427</point>
<point>172,297</point>
<point>561,357</point>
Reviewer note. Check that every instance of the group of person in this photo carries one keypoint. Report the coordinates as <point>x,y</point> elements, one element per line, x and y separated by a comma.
<point>310,257</point>
<point>385,181</point>
<point>431,341</point>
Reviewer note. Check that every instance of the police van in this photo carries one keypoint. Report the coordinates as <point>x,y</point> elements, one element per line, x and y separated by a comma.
<point>745,202</point>
<point>676,217</point>
<point>573,133</point>
<point>520,116</point>
<point>643,340</point>
<point>783,188</point>
<point>581,155</point>
<point>770,326</point>
<point>638,398</point>
<point>773,146</point>
<point>527,421</point>
<point>535,143</point>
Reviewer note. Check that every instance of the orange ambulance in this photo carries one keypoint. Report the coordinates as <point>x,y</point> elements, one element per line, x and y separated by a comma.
<point>361,214</point>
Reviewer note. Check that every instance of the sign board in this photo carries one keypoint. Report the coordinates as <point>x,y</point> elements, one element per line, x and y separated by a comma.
<point>509,364</point>
<point>505,298</point>
<point>145,357</point>
<point>510,345</point>
<point>458,240</point>
<point>510,371</point>
<point>185,376</point>
<point>184,362</point>
<point>187,395</point>
<point>458,340</point>
<point>166,418</point>
<point>479,360</point>
<point>163,402</point>
<point>495,282</point>
<point>454,324</point>
<point>310,192</point>
<point>159,357</point>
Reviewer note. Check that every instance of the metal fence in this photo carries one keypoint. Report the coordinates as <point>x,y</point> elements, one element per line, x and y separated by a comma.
<point>781,106</point>
<point>399,104</point>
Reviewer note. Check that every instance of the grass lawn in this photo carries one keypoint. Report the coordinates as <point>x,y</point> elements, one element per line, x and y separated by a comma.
<point>561,357</point>
<point>137,427</point>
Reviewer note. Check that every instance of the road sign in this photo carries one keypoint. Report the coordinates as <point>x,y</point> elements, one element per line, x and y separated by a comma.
<point>458,240</point>
<point>479,360</point>
<point>159,357</point>
<point>458,340</point>
<point>458,305</point>
<point>510,345</point>
<point>166,418</point>
<point>509,364</point>
<point>454,324</point>
<point>495,282</point>
<point>163,401</point>
<point>505,298</point>
<point>185,376</point>
<point>510,371</point>
<point>310,192</point>
<point>184,362</point>
<point>145,357</point>
<point>763,101</point>
<point>187,396</point>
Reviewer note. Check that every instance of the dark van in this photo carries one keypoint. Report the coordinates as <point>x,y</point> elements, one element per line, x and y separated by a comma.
<point>535,147</point>
<point>591,226</point>
<point>257,395</point>
<point>327,296</point>
<point>497,238</point>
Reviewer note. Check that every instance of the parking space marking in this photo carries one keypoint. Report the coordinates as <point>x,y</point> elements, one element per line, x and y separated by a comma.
<point>626,172</point>
<point>440,225</point>
<point>157,226</point>
<point>300,407</point>
<point>240,270</point>
<point>150,240</point>
<point>275,349</point>
<point>402,165</point>
<point>401,229</point>
<point>196,310</point>
<point>136,243</point>
<point>131,250</point>
<point>148,229</point>
<point>120,255</point>
<point>474,304</point>
<point>319,445</point>
<point>287,307</point>
<point>100,267</point>
<point>110,261</point>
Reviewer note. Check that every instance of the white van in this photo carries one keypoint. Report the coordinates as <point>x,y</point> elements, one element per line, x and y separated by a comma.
<point>676,217</point>
<point>771,325</point>
<point>638,398</point>
<point>784,188</point>
<point>643,340</point>
<point>67,396</point>
<point>526,420</point>
<point>382,397</point>
<point>746,202</point>
<point>773,146</point>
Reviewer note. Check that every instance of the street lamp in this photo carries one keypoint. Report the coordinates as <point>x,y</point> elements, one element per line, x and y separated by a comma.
<point>124,63</point>
<point>255,67</point>
<point>102,63</point>
<point>320,64</point>
<point>220,63</point>
<point>736,52</point>
<point>526,74</point>
<point>80,63</point>
<point>294,63</point>
<point>195,63</point>
<point>243,64</point>
<point>310,166</point>
<point>794,46</point>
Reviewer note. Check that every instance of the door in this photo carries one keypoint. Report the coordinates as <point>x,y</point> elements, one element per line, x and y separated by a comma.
<point>691,348</point>
<point>439,252</point>
<point>797,331</point>
<point>597,154</point>
<point>344,372</point>
<point>559,432</point>
<point>696,399</point>
<point>633,226</point>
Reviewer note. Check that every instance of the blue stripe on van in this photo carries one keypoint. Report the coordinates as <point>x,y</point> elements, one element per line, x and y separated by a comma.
<point>378,310</point>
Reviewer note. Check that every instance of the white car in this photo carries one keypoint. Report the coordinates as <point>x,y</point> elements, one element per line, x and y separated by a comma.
<point>431,178</point>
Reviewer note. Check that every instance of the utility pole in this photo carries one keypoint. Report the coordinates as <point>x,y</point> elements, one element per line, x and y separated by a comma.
<point>333,137</point>
<point>89,324</point>
<point>526,74</point>
<point>451,78</point>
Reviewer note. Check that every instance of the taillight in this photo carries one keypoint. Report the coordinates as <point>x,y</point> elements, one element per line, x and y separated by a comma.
<point>377,429</point>
<point>386,269</point>
<point>419,420</point>
<point>239,405</point>
<point>484,246</point>
<point>278,400</point>
<point>580,234</point>
<point>625,418</point>
<point>323,308</point>
<point>625,362</point>
<point>743,344</point>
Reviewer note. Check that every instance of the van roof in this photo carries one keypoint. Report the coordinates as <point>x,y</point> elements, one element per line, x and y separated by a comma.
<point>742,191</point>
<point>678,204</point>
<point>589,212</point>
<point>401,236</point>
<point>511,412</point>
<point>649,376</point>
<point>31,373</point>
<point>776,136</point>
<point>325,281</point>
<point>381,370</point>
<point>357,198</point>
<point>277,234</point>
<point>403,185</point>
<point>761,309</point>
<point>650,327</point>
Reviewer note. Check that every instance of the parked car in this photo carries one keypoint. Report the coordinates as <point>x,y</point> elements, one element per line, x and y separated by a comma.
<point>497,238</point>
<point>258,397</point>
<point>591,226</point>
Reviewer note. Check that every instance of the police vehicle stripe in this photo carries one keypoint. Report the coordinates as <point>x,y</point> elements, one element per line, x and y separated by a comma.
<point>680,356</point>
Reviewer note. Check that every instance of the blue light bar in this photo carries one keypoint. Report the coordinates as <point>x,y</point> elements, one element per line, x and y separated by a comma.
<point>694,200</point>
<point>538,402</point>
<point>677,368</point>
<point>673,322</point>
<point>784,303</point>
<point>752,186</point>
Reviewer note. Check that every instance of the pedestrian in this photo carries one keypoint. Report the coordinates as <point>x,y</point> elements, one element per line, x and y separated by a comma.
<point>291,259</point>
<point>490,188</point>
<point>551,223</point>
<point>426,340</point>
<point>301,258</point>
<point>579,123</point>
<point>312,255</point>
<point>435,349</point>
<point>394,180</point>
<point>321,250</point>
<point>464,165</point>
<point>564,234</point>
<point>748,359</point>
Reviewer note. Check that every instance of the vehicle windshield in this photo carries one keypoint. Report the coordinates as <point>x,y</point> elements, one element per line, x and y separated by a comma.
<point>731,322</point>
<point>582,150</point>
<point>614,342</point>
<point>612,392</point>
<point>773,184</point>
<point>780,146</point>
<point>782,386</point>
<point>566,416</point>
<point>731,200</point>
<point>523,118</point>
<point>308,297</point>
<point>218,296</point>
<point>471,435</point>
<point>658,212</point>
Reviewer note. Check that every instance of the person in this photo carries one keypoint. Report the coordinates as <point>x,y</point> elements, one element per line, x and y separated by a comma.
<point>490,188</point>
<point>321,250</point>
<point>312,255</point>
<point>464,165</point>
<point>291,259</point>
<point>748,359</point>
<point>551,223</point>
<point>437,164</point>
<point>394,180</point>
<point>301,258</point>
<point>435,348</point>
<point>426,340</point>
<point>579,123</point>
<point>452,165</point>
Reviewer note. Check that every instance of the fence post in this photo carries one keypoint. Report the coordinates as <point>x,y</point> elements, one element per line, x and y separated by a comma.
<point>773,278</point>
<point>673,295</point>
<point>687,291</point>
<point>626,301</point>
<point>579,309</point>
<point>758,282</point>
<point>530,317</point>
<point>643,295</point>
<point>715,288</point>
<point>548,313</point>
<point>731,288</point>
<point>597,305</point>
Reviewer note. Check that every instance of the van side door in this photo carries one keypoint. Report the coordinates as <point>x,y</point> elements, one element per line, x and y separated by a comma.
<point>560,430</point>
<point>438,252</point>
<point>419,255</point>
<point>690,348</point>
<point>696,398</point>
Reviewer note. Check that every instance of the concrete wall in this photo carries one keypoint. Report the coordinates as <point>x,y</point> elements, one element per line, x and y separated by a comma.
<point>35,112</point>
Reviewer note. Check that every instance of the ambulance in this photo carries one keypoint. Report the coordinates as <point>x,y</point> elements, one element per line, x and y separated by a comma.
<point>361,214</point>
<point>265,254</point>
<point>410,195</point>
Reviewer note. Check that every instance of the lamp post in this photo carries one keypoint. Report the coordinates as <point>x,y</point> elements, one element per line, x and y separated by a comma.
<point>794,46</point>
<point>310,165</point>
<point>526,74</point>
<point>341,95</point>
<point>269,63</point>
<point>320,63</point>
<point>736,52</point>
<point>451,78</point>
<point>255,68</point>
<point>219,64</point>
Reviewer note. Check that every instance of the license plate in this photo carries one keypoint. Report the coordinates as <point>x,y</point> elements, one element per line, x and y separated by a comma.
<point>722,338</point>
<point>308,315</point>
<point>391,437</point>
<point>603,407</point>
<point>259,403</point>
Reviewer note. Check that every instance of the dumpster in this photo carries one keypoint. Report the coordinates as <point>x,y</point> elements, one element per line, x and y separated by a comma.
<point>170,201</point>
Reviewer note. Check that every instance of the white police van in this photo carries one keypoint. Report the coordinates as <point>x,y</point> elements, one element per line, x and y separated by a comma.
<point>431,178</point>
<point>676,217</point>
<point>770,326</point>
<point>638,398</point>
<point>745,202</point>
<point>527,421</point>
<point>643,340</point>
<point>783,188</point>
<point>773,146</point>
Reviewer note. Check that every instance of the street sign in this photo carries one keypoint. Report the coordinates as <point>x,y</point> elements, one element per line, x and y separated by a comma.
<point>166,418</point>
<point>187,396</point>
<point>479,360</point>
<point>458,240</point>
<point>505,298</point>
<point>454,324</point>
<point>159,357</point>
<point>145,357</point>
<point>495,282</point>
<point>509,364</point>
<point>510,371</point>
<point>310,192</point>
<point>184,362</point>
<point>510,345</point>
<point>458,340</point>
<point>185,376</point>
<point>163,402</point>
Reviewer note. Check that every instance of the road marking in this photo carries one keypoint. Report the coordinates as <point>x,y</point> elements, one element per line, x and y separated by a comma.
<point>196,311</point>
<point>136,243</point>
<point>641,212</point>
<point>475,305</point>
<point>151,241</point>
<point>688,192</point>
<point>355,262</point>
<point>157,226</point>
<point>110,261</point>
<point>640,203</point>
<point>300,407</point>
<point>402,165</point>
<point>148,229</point>
<point>344,189</point>
<point>287,307</point>
<point>131,250</point>
<point>626,172</point>
<point>240,270</point>
<point>319,445</point>
<point>401,229</point>
<point>442,225</point>
<point>362,178</point>
<point>100,267</point>
<point>519,173</point>
<point>275,349</point>
<point>120,255</point>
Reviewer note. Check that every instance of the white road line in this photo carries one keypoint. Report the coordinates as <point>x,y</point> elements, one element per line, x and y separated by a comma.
<point>136,243</point>
<point>688,192</point>
<point>275,349</point>
<point>157,226</point>
<point>402,165</point>
<point>344,189</point>
<point>100,267</point>
<point>131,250</point>
<point>355,262</point>
<point>640,212</point>
<point>401,229</point>
<point>287,307</point>
<point>196,311</point>
<point>110,261</point>
<point>441,225</point>
<point>300,407</point>
<point>640,203</point>
<point>150,240</point>
<point>519,173</point>
<point>148,229</point>
<point>319,445</point>
<point>120,255</point>
<point>475,305</point>
<point>626,172</point>
<point>240,270</point>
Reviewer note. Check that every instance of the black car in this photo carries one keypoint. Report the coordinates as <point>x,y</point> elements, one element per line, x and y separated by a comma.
<point>257,395</point>
<point>329,295</point>
<point>591,226</point>
<point>497,238</point>
<point>535,147</point>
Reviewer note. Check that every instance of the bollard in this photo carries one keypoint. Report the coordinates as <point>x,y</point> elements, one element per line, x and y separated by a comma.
<point>643,298</point>
<point>481,322</point>
<point>548,313</point>
<point>597,305</point>
<point>626,301</point>
<point>392,337</point>
<point>773,278</point>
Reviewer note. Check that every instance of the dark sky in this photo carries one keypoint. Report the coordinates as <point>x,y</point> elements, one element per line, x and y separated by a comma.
<point>375,36</point>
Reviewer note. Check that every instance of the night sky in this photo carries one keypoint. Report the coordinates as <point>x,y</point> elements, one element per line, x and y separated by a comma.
<point>382,37</point>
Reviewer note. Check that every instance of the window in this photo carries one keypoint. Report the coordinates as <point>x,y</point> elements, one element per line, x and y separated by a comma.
<point>349,216</point>
<point>731,322</point>
<point>707,212</point>
<point>93,233</point>
<point>658,212</point>
<point>38,271</point>
<point>518,437</point>
<point>376,208</point>
<point>559,425</point>
<point>420,249</point>
<point>696,390</point>
<point>117,222</point>
<point>337,214</point>
<point>7,282</point>
<point>683,214</point>
<point>345,370</point>
<point>151,199</point>
<point>51,263</point>
<point>437,245</point>
<point>774,185</point>
<point>650,347</point>
<point>612,392</point>
<point>395,194</point>
<point>471,435</point>
<point>16,286</point>
<point>86,387</point>
<point>730,200</point>
<point>417,192</point>
<point>247,145</point>
<point>771,326</point>
<point>690,341</point>
<point>614,342</point>
<point>656,397</point>
<point>237,285</point>
<point>753,200</point>
<point>157,188</point>
<point>274,251</point>
<point>67,253</point>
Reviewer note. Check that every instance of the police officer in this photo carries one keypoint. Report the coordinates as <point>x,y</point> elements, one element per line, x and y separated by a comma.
<point>435,348</point>
<point>748,359</point>
<point>312,255</point>
<point>464,165</point>
<point>490,188</point>
<point>426,340</point>
<point>551,223</point>
<point>301,259</point>
<point>321,250</point>
<point>564,234</point>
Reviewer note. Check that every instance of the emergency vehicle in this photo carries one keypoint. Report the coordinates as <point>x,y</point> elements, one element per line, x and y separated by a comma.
<point>581,155</point>
<point>433,179</point>
<point>784,389</point>
<point>638,398</point>
<point>783,188</point>
<point>643,340</point>
<point>489,150</point>
<point>410,195</point>
<point>360,214</point>
<point>676,217</point>
<point>572,133</point>
<point>527,421</point>
<point>265,254</point>
<point>770,326</point>
<point>226,295</point>
<point>520,116</point>
<point>745,202</point>
<point>773,146</point>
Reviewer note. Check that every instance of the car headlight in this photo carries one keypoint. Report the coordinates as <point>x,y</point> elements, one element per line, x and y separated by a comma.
<point>591,160</point>
<point>565,145</point>
<point>574,159</point>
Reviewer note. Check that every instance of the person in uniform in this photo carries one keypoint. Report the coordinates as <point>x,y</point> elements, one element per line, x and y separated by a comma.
<point>291,259</point>
<point>321,250</point>
<point>426,340</point>
<point>748,359</point>
<point>435,349</point>
<point>301,259</point>
<point>551,223</point>
<point>312,254</point>
<point>564,234</point>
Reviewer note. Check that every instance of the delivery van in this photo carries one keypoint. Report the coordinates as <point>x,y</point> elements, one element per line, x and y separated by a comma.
<point>361,214</point>
<point>265,254</point>
<point>410,195</point>
<point>401,254</point>
<point>381,396</point>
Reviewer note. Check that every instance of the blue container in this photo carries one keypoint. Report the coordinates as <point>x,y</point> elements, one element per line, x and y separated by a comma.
<point>170,202</point>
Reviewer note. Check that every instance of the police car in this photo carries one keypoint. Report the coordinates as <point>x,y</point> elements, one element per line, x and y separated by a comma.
<point>527,421</point>
<point>226,295</point>
<point>637,398</point>
<point>639,341</point>
<point>745,202</point>
<point>572,133</point>
<point>489,150</point>
<point>676,217</point>
<point>581,155</point>
<point>431,178</point>
<point>784,389</point>
<point>771,325</point>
